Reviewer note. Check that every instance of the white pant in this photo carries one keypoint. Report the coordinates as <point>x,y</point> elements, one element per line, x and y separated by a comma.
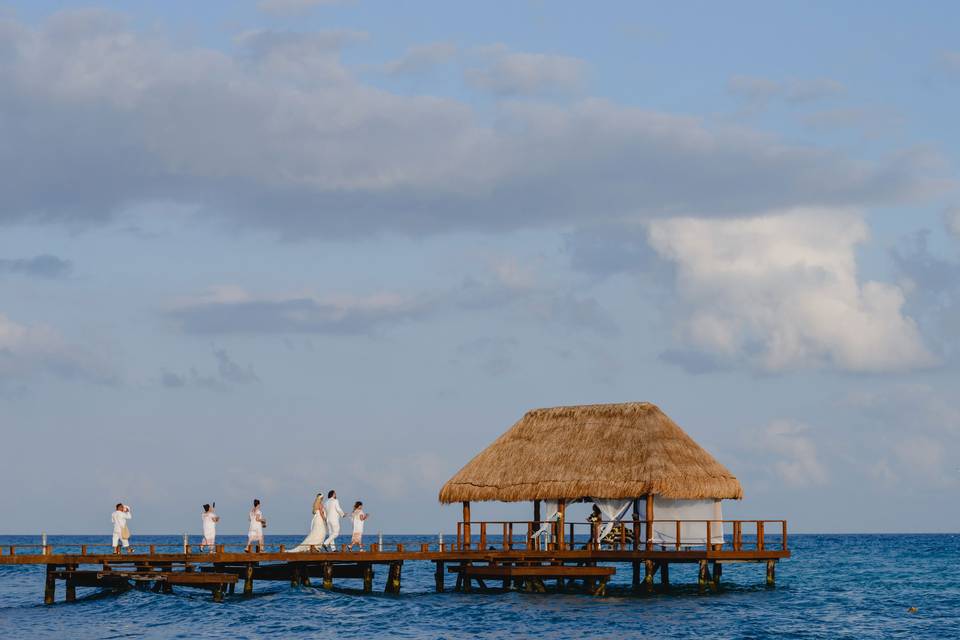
<point>117,540</point>
<point>333,530</point>
<point>255,537</point>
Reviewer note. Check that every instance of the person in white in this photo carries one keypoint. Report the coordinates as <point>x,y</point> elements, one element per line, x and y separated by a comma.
<point>334,513</point>
<point>318,528</point>
<point>257,523</point>
<point>210,520</point>
<point>358,519</point>
<point>119,519</point>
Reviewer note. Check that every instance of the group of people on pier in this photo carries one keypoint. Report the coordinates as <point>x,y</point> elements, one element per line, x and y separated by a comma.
<point>324,526</point>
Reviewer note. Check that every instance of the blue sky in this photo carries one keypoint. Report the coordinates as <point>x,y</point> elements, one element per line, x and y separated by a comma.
<point>268,248</point>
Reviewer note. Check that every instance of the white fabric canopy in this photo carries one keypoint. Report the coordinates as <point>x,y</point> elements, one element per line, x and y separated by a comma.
<point>551,512</point>
<point>691,533</point>
<point>612,510</point>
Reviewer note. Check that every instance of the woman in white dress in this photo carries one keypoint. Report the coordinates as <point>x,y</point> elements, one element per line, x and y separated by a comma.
<point>318,528</point>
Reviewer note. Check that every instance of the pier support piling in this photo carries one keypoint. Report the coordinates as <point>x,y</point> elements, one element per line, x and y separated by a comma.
<point>393,578</point>
<point>665,575</point>
<point>771,573</point>
<point>50,587</point>
<point>367,578</point>
<point>438,576</point>
<point>248,580</point>
<point>327,575</point>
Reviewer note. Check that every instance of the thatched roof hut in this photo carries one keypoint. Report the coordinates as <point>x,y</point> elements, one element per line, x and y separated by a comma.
<point>604,450</point>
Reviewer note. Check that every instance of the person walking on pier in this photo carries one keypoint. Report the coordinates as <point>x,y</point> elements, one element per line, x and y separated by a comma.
<point>318,528</point>
<point>334,513</point>
<point>210,520</point>
<point>358,518</point>
<point>119,518</point>
<point>257,523</point>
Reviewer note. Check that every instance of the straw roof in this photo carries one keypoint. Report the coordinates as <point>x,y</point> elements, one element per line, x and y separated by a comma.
<point>603,450</point>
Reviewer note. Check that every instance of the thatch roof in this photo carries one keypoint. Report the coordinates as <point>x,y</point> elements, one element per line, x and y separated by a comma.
<point>603,450</point>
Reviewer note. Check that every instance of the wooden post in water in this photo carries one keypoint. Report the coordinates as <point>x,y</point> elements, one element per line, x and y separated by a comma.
<point>50,586</point>
<point>438,576</point>
<point>466,524</point>
<point>71,584</point>
<point>717,572</point>
<point>771,573</point>
<point>702,575</point>
<point>665,575</point>
<point>248,580</point>
<point>328,575</point>
<point>294,574</point>
<point>648,570</point>
<point>368,577</point>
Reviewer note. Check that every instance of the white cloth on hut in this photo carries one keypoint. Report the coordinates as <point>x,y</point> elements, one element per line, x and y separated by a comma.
<point>551,512</point>
<point>666,511</point>
<point>613,510</point>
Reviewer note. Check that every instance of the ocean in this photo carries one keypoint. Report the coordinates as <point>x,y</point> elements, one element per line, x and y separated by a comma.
<point>834,586</point>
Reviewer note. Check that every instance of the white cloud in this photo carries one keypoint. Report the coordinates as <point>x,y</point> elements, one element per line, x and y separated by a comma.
<point>794,452</point>
<point>951,218</point>
<point>294,7</point>
<point>781,292</point>
<point>514,73</point>
<point>793,91</point>
<point>26,351</point>
<point>281,134</point>
<point>421,57</point>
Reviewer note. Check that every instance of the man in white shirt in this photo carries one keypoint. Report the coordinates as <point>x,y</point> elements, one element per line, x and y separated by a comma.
<point>334,513</point>
<point>210,520</point>
<point>119,519</point>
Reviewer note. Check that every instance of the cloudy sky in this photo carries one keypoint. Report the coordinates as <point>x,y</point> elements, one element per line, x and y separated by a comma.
<point>268,247</point>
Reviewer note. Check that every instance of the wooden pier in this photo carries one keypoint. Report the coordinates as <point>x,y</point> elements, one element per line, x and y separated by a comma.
<point>488,562</point>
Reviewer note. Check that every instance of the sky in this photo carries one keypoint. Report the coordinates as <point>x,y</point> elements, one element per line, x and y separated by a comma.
<point>264,248</point>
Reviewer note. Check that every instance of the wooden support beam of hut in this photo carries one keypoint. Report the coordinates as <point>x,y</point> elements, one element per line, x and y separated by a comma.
<point>466,524</point>
<point>561,516</point>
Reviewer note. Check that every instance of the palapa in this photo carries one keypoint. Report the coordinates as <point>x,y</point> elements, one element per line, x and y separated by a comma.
<point>622,450</point>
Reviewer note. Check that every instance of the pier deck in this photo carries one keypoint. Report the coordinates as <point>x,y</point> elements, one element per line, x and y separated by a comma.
<point>523,565</point>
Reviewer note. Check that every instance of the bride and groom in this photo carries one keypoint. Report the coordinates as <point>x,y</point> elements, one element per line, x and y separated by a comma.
<point>325,525</point>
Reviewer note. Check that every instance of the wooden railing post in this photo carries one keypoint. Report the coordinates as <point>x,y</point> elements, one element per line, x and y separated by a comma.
<point>709,537</point>
<point>783,538</point>
<point>510,538</point>
<point>736,535</point>
<point>760,544</point>
<point>483,536</point>
<point>466,524</point>
<point>459,536</point>
<point>503,541</point>
<point>531,543</point>
<point>678,535</point>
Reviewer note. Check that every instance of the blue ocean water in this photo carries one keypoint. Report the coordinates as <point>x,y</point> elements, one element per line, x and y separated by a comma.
<point>835,586</point>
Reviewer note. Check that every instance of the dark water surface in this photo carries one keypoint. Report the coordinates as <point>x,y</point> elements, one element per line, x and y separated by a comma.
<point>835,586</point>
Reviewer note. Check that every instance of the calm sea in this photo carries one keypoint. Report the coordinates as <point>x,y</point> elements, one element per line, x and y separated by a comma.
<point>835,586</point>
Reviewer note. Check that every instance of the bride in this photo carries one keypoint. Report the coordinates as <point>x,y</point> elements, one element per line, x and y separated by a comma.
<point>318,528</point>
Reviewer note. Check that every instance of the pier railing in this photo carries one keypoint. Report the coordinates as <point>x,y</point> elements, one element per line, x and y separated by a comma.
<point>662,535</point>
